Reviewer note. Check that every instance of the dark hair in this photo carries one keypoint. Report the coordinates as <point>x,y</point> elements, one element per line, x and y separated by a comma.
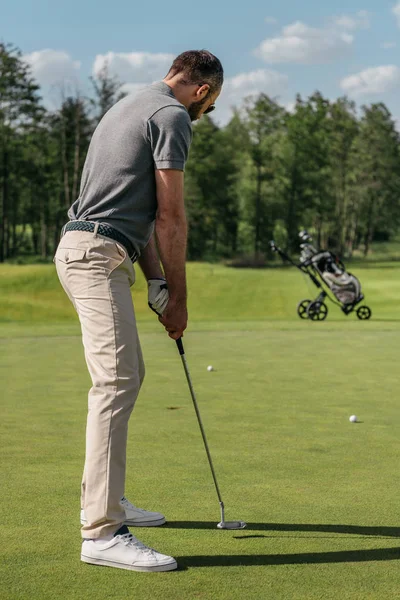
<point>198,66</point>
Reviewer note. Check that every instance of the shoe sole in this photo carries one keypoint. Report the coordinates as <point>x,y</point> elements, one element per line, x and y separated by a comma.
<point>106,563</point>
<point>134,523</point>
<point>140,523</point>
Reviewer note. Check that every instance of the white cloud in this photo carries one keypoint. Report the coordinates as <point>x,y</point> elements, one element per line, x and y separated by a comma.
<point>52,67</point>
<point>396,12</point>
<point>376,80</point>
<point>135,67</point>
<point>235,89</point>
<point>132,88</point>
<point>271,20</point>
<point>291,106</point>
<point>387,45</point>
<point>252,83</point>
<point>360,20</point>
<point>255,81</point>
<point>299,43</point>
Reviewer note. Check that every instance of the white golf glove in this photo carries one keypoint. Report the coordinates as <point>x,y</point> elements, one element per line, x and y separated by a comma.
<point>158,295</point>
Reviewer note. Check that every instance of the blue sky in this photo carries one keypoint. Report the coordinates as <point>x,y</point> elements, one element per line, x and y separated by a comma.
<point>278,48</point>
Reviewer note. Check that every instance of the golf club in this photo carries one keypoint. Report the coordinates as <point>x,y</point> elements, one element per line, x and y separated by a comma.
<point>223,524</point>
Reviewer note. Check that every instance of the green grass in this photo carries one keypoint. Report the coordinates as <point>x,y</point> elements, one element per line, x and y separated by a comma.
<point>389,250</point>
<point>320,495</point>
<point>32,294</point>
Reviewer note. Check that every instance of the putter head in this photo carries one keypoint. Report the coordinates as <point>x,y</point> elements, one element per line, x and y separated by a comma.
<point>231,525</point>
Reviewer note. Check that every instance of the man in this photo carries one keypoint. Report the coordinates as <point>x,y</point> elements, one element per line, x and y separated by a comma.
<point>131,207</point>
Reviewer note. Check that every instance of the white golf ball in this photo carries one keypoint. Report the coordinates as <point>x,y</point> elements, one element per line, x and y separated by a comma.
<point>353,419</point>
<point>210,368</point>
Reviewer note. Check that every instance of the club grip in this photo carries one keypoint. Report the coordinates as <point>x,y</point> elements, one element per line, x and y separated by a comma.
<point>179,343</point>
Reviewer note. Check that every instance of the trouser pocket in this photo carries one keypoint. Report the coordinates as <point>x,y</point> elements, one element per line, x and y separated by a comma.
<point>69,255</point>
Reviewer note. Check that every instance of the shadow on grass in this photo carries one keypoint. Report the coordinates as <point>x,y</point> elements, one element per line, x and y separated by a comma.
<point>236,560</point>
<point>359,530</point>
<point>306,558</point>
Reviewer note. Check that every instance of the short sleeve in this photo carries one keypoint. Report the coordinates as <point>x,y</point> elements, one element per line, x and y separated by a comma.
<point>170,133</point>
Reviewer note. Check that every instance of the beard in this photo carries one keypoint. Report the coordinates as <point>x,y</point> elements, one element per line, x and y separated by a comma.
<point>194,109</point>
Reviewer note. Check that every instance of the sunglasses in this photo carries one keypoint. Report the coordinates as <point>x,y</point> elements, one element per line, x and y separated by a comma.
<point>210,108</point>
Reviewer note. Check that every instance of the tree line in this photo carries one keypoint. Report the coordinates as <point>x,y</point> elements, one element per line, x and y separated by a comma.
<point>330,167</point>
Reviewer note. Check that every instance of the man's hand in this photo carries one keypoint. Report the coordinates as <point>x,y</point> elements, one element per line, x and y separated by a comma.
<point>175,319</point>
<point>158,295</point>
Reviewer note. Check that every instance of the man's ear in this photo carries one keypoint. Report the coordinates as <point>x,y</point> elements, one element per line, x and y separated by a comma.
<point>203,91</point>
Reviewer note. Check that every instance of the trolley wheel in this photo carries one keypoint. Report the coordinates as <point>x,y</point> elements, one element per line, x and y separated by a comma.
<point>317,311</point>
<point>302,308</point>
<point>364,313</point>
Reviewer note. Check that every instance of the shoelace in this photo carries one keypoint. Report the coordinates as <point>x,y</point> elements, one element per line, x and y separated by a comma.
<point>130,540</point>
<point>128,504</point>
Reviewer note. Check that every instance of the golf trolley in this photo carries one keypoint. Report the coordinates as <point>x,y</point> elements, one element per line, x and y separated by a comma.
<point>329,275</point>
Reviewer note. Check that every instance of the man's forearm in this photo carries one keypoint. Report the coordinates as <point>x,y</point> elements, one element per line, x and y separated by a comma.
<point>171,235</point>
<point>149,261</point>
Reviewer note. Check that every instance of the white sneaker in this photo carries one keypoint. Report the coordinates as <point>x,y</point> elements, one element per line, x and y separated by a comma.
<point>124,551</point>
<point>136,517</point>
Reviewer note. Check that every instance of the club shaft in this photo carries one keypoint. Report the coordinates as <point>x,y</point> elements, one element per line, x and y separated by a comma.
<point>196,408</point>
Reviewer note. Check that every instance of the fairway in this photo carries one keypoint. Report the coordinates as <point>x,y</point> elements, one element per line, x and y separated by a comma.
<point>320,495</point>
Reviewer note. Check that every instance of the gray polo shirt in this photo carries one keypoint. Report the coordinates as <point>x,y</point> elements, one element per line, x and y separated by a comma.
<point>136,136</point>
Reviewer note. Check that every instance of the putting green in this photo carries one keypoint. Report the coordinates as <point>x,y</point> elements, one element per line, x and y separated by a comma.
<point>320,495</point>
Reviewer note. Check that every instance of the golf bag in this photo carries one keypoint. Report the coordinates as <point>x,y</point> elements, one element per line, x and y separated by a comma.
<point>329,275</point>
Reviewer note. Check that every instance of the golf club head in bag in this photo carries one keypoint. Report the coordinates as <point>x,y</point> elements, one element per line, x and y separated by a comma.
<point>305,236</point>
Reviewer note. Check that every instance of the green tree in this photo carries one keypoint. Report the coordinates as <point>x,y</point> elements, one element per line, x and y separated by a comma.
<point>107,89</point>
<point>376,176</point>
<point>309,178</point>
<point>19,111</point>
<point>343,133</point>
<point>72,129</point>
<point>210,197</point>
<point>264,120</point>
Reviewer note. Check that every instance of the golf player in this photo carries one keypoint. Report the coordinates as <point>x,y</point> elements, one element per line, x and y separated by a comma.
<point>130,209</point>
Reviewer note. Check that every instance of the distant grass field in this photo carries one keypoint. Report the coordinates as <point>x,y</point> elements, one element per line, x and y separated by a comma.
<point>320,495</point>
<point>32,294</point>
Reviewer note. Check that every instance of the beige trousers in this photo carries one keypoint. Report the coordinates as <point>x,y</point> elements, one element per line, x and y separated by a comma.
<point>96,274</point>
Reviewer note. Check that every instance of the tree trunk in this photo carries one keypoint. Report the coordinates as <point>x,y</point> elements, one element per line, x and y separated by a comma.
<point>343,211</point>
<point>370,227</point>
<point>8,239</point>
<point>14,242</point>
<point>76,151</point>
<point>319,231</point>
<point>257,236</point>
<point>43,229</point>
<point>64,158</point>
<point>351,235</point>
<point>56,236</point>
<point>4,208</point>
<point>60,220</point>
<point>35,239</point>
<point>291,212</point>
<point>23,232</point>
<point>352,218</point>
<point>234,238</point>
